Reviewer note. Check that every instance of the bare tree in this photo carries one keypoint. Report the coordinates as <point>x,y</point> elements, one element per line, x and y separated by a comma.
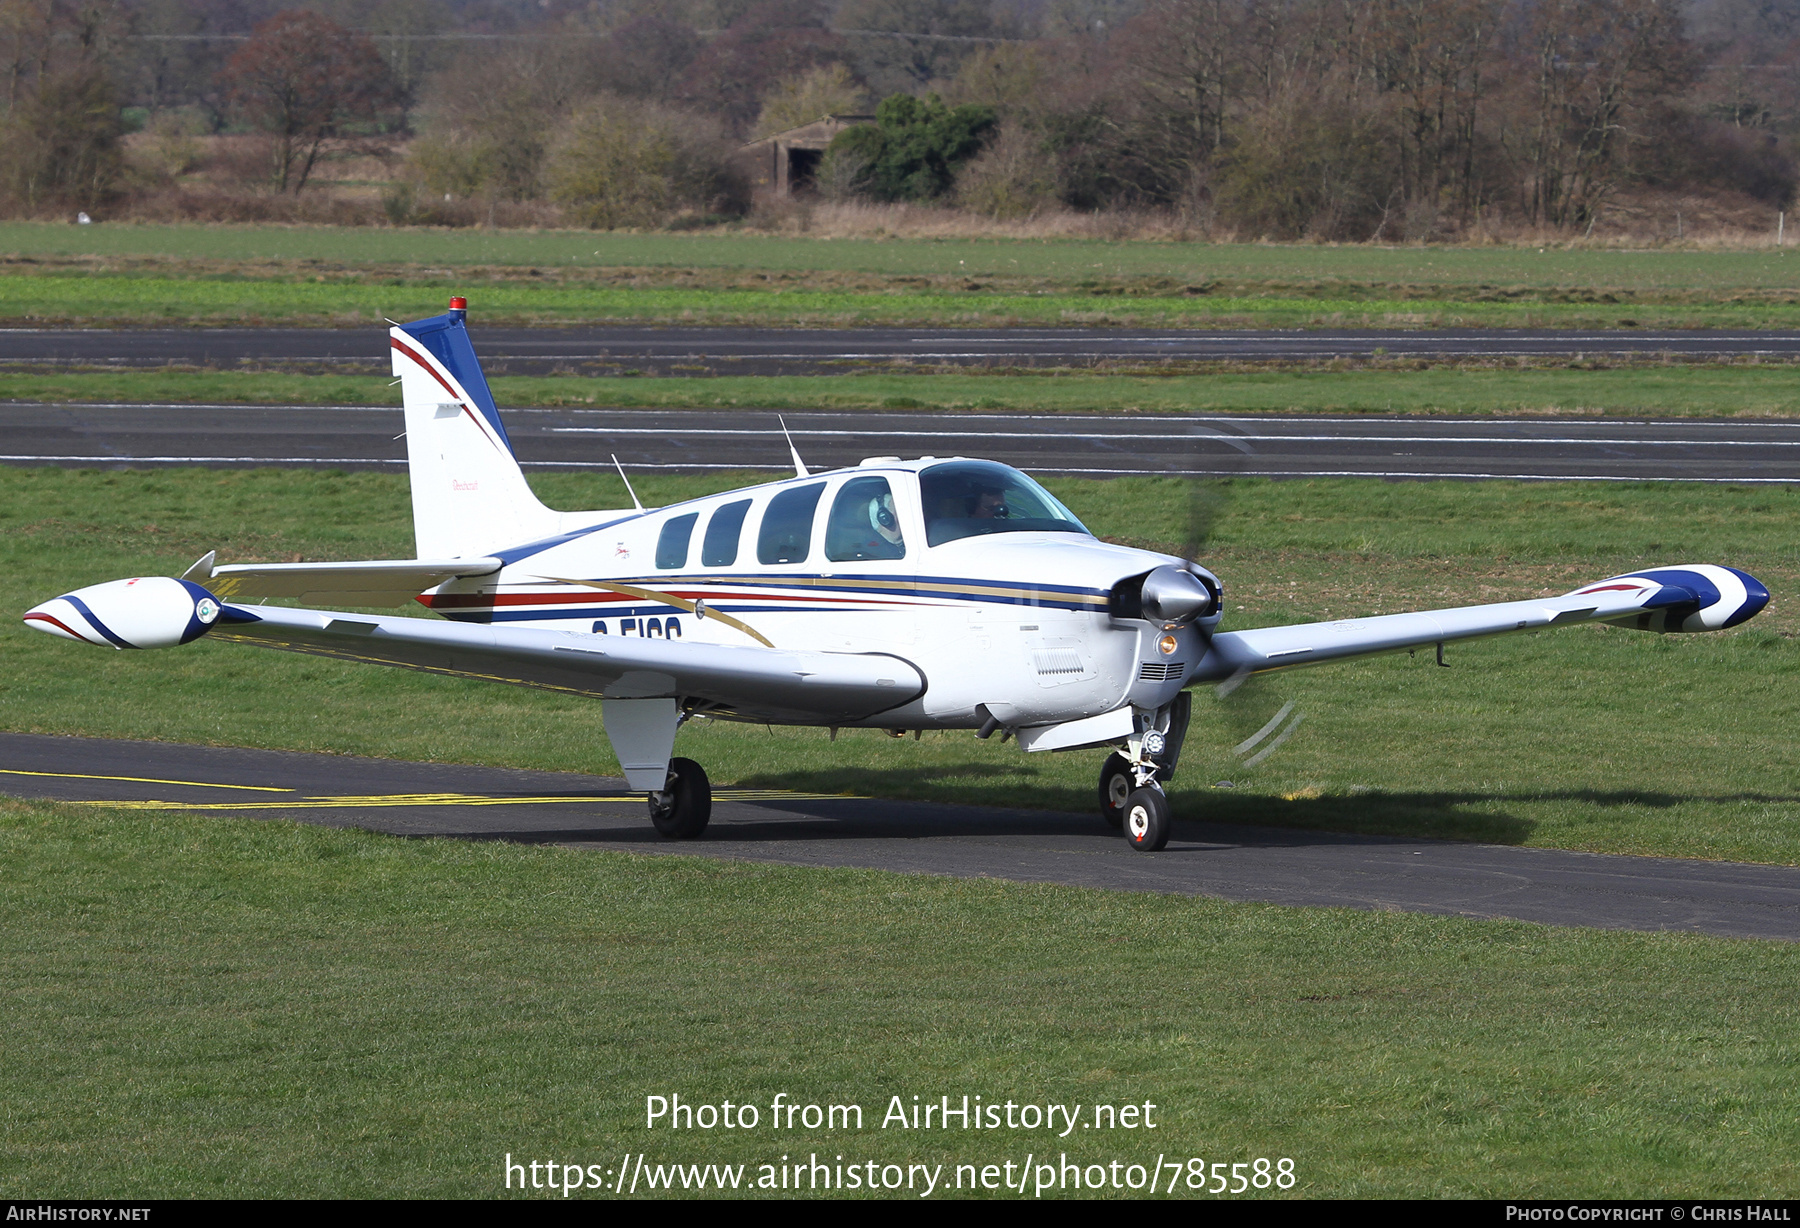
<point>302,77</point>
<point>1433,58</point>
<point>1592,67</point>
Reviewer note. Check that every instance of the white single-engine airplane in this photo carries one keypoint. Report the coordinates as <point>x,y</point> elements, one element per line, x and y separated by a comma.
<point>938,593</point>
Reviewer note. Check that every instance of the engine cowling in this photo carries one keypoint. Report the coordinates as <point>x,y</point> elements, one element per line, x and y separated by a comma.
<point>1168,595</point>
<point>144,612</point>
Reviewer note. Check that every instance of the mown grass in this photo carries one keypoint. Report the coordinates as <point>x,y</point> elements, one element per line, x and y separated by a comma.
<point>1590,738</point>
<point>44,299</point>
<point>204,1007</point>
<point>1069,261</point>
<point>1659,390</point>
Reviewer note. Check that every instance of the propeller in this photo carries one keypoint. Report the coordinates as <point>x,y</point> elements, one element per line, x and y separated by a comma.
<point>1259,715</point>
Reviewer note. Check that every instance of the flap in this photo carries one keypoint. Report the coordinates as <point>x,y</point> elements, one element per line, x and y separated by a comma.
<point>772,684</point>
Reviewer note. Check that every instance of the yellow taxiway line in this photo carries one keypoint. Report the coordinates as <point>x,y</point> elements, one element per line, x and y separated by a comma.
<point>439,799</point>
<point>143,780</point>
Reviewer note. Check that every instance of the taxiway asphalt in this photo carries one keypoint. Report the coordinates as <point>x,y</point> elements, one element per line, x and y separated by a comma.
<point>786,351</point>
<point>1093,445</point>
<point>1273,865</point>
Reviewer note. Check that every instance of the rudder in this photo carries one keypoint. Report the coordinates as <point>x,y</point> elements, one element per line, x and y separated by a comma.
<point>469,495</point>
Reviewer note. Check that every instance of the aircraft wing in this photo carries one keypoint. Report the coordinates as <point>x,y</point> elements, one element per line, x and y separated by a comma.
<point>752,682</point>
<point>1697,597</point>
<point>375,582</point>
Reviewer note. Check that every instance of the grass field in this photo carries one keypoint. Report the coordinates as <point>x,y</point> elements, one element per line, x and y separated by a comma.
<point>1715,273</point>
<point>226,301</point>
<point>205,1007</point>
<point>1590,738</point>
<point>275,275</point>
<point>1645,390</point>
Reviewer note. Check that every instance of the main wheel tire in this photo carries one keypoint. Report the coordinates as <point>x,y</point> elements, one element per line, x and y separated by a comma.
<point>1147,819</point>
<point>1115,788</point>
<point>681,810</point>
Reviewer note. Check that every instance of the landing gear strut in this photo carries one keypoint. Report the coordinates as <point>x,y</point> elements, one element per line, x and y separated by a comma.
<point>1131,795</point>
<point>681,810</point>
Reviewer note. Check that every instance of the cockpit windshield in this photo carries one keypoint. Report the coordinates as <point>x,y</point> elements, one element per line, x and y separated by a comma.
<point>969,498</point>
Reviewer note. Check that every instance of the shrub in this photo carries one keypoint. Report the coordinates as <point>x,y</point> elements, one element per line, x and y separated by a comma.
<point>60,145</point>
<point>915,146</point>
<point>624,163</point>
<point>826,90</point>
<point>1306,168</point>
<point>452,164</point>
<point>1011,178</point>
<point>169,146</point>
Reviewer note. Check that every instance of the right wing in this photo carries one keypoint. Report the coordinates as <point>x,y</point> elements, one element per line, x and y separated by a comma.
<point>1697,597</point>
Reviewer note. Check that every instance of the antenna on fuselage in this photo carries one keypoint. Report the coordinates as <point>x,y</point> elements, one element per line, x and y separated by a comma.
<point>635,502</point>
<point>799,465</point>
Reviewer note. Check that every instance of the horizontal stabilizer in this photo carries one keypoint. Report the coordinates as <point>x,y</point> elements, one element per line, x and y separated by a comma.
<point>375,582</point>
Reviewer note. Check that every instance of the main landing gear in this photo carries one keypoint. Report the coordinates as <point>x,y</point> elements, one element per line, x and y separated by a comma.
<point>681,810</point>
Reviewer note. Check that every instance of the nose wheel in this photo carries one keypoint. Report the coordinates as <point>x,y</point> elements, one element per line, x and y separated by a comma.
<point>1147,819</point>
<point>681,810</point>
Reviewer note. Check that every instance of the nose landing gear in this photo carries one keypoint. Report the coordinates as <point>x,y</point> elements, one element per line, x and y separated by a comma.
<point>1131,795</point>
<point>1132,800</point>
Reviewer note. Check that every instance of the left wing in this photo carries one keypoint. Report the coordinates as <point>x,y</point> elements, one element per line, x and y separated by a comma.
<point>1698,597</point>
<point>756,683</point>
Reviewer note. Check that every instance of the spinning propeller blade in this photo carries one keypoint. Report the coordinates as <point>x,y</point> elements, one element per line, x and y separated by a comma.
<point>1261,718</point>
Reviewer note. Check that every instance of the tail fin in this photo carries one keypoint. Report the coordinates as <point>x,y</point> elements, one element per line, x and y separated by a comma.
<point>469,495</point>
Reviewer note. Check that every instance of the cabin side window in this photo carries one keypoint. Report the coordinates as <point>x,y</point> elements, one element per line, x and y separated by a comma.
<point>672,543</point>
<point>786,534</point>
<point>719,548</point>
<point>863,523</point>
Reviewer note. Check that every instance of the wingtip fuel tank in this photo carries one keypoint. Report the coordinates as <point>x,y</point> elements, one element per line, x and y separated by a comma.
<point>143,612</point>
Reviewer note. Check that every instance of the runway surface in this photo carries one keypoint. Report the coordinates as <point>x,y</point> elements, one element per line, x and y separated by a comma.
<point>770,351</point>
<point>1761,451</point>
<point>1238,863</point>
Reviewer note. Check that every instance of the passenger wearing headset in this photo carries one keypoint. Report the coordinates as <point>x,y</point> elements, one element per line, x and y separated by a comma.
<point>863,523</point>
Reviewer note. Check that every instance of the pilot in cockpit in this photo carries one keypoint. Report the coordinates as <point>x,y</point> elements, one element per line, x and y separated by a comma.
<point>989,504</point>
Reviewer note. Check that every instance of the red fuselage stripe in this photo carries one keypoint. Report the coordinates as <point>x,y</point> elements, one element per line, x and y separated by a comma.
<point>416,357</point>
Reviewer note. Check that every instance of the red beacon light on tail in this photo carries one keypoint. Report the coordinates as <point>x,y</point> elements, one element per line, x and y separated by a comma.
<point>459,306</point>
